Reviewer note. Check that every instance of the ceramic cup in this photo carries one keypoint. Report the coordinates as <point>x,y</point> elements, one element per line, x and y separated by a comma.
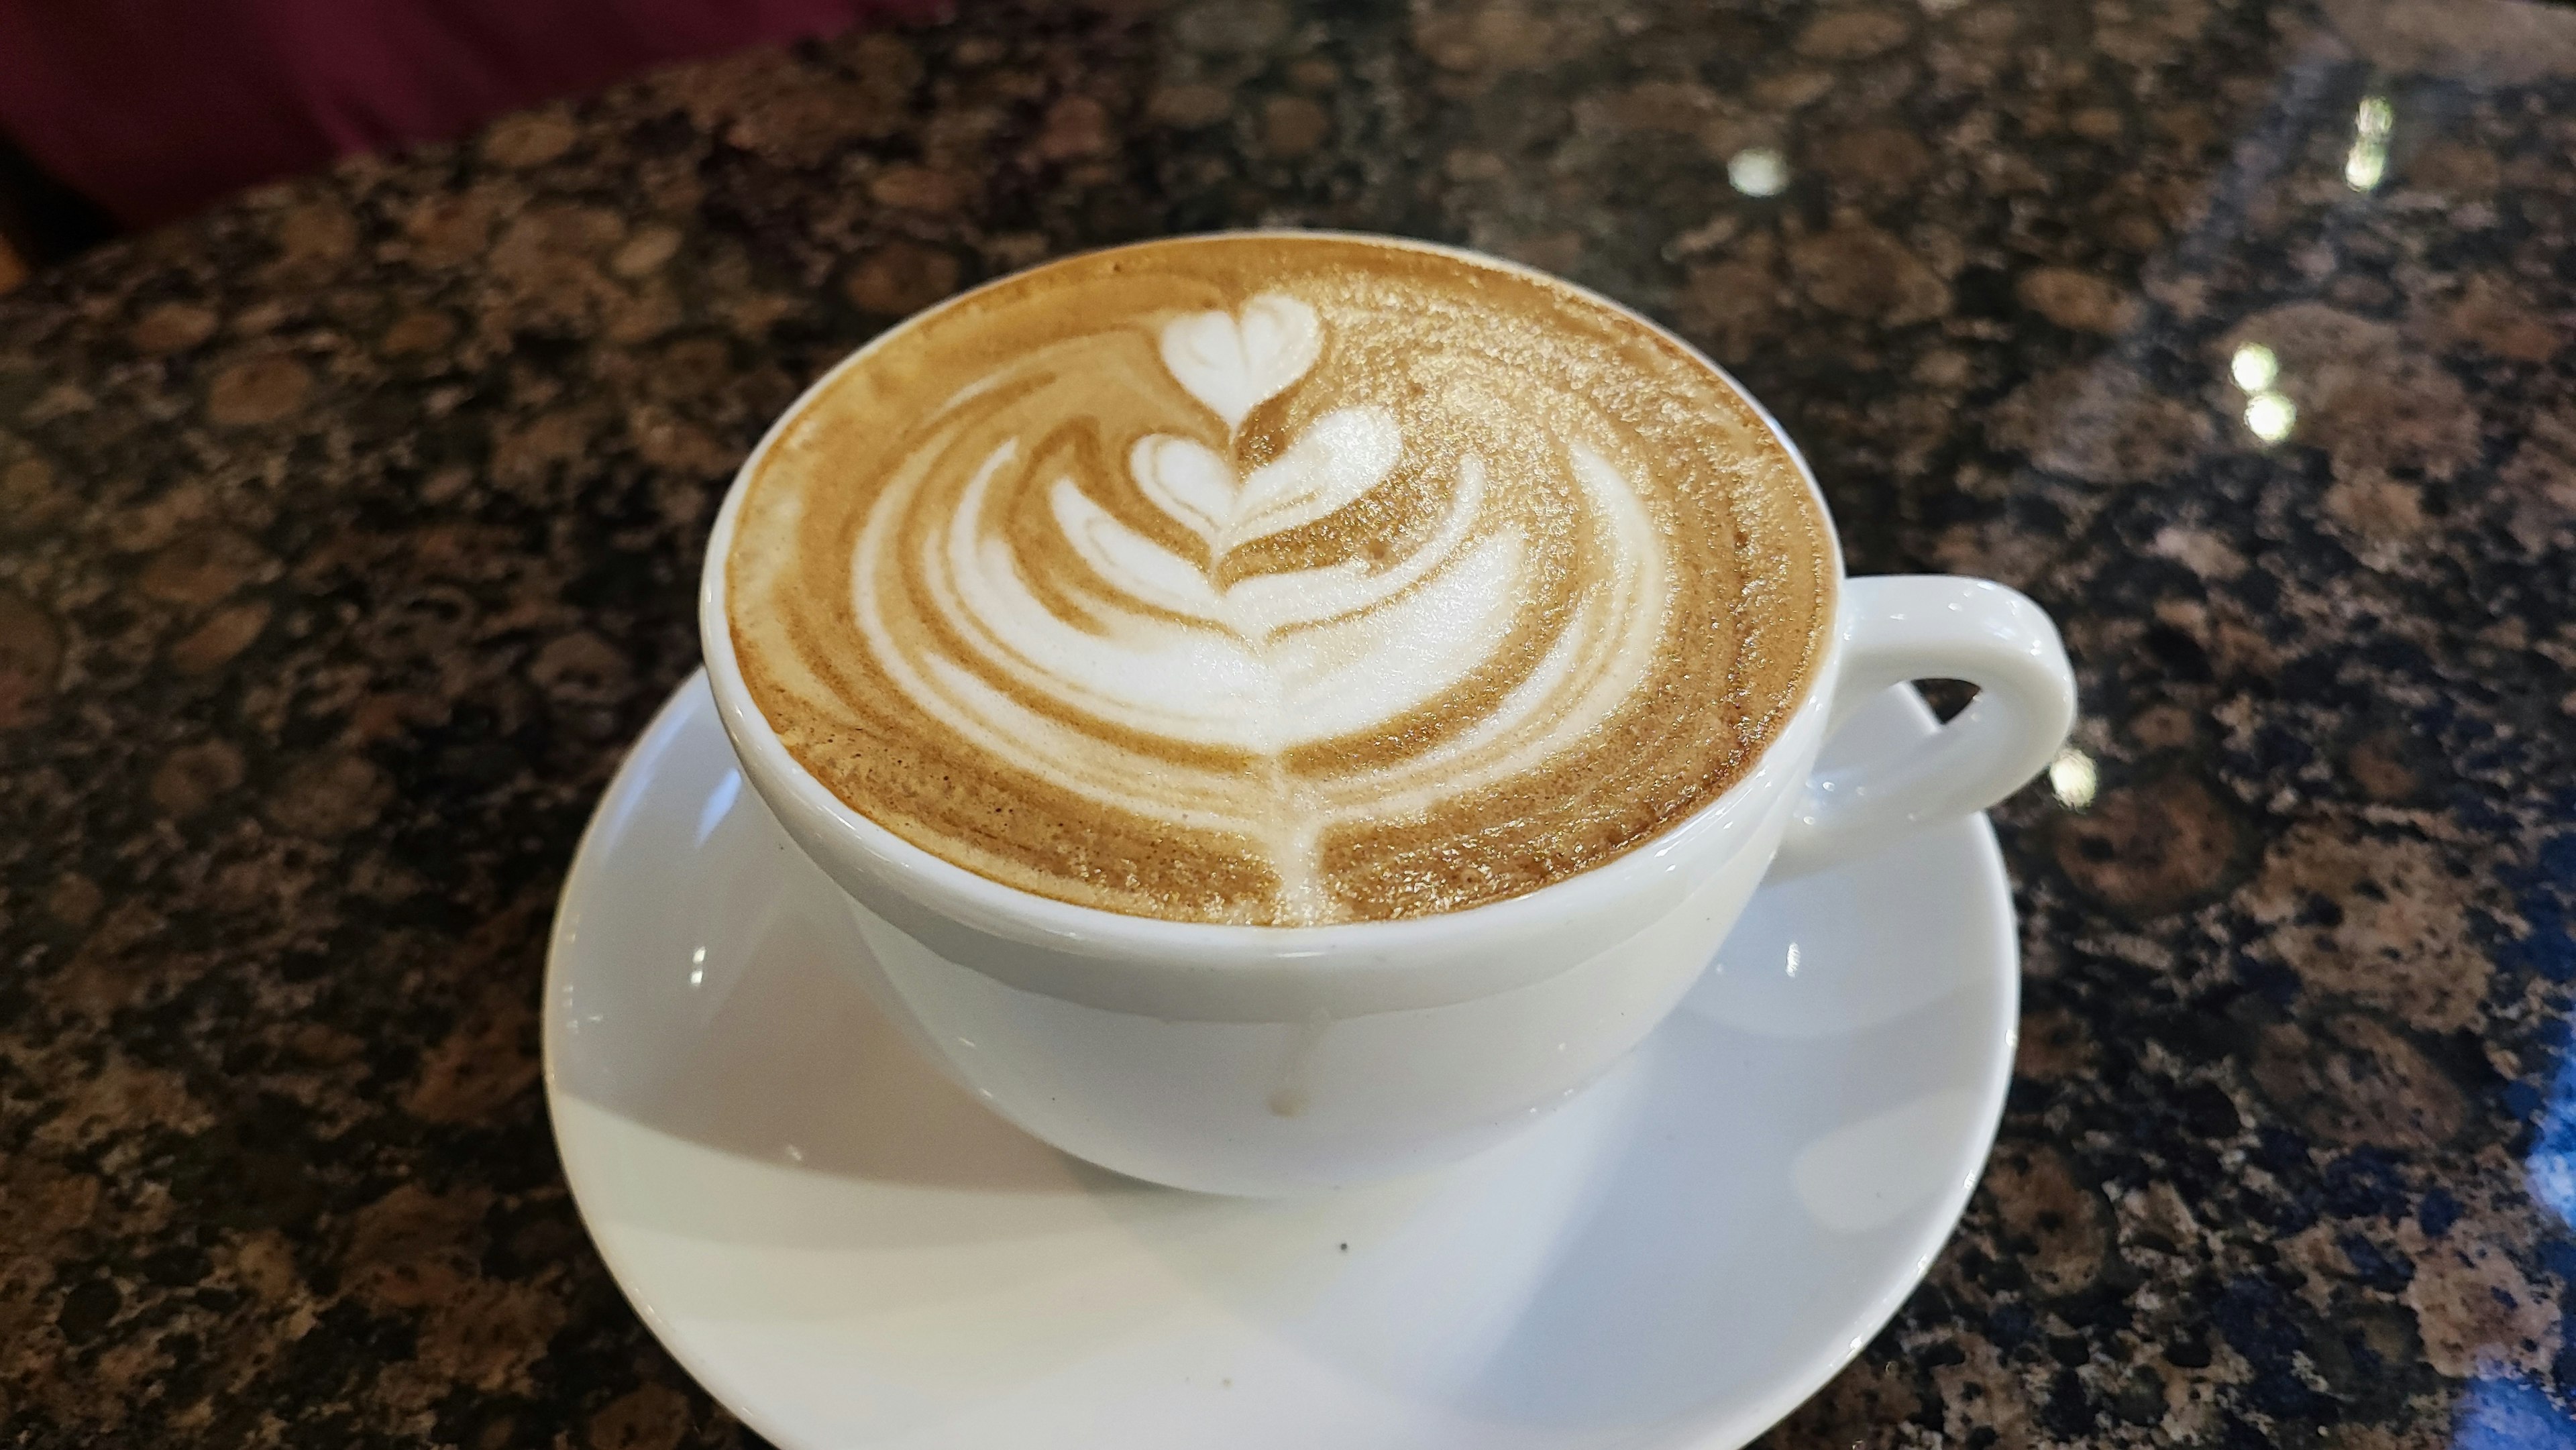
<point>1268,1060</point>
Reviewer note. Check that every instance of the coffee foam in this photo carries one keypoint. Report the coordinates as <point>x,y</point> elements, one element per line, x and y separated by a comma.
<point>1276,579</point>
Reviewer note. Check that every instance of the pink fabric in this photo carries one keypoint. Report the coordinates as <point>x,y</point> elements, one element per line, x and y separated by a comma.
<point>156,107</point>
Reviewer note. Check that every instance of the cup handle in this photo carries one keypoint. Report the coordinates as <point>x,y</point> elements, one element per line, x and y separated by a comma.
<point>1902,627</point>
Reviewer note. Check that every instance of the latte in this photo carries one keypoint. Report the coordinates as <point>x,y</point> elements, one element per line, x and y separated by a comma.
<point>1277,579</point>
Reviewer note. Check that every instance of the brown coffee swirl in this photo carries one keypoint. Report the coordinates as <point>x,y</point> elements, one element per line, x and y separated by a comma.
<point>1276,579</point>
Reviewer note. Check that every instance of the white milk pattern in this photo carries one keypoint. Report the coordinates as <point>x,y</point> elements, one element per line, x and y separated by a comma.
<point>1269,662</point>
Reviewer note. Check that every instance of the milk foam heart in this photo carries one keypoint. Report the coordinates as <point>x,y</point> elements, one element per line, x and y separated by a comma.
<point>1236,363</point>
<point>1279,579</point>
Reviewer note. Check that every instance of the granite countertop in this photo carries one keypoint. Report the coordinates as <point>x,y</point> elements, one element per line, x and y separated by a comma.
<point>347,534</point>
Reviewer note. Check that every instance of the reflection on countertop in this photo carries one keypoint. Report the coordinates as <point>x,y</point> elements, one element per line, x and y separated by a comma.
<point>347,533</point>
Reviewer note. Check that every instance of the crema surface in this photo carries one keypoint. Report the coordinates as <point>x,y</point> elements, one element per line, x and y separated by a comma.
<point>1276,579</point>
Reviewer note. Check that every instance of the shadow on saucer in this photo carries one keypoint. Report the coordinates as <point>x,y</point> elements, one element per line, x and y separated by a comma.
<point>758,1041</point>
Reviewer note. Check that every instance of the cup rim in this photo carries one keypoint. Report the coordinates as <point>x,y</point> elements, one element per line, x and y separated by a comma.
<point>991,904</point>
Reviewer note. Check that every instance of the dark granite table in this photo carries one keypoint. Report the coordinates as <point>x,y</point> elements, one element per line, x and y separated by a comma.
<point>347,533</point>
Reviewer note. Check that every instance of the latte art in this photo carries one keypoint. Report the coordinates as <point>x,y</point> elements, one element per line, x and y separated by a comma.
<point>1284,580</point>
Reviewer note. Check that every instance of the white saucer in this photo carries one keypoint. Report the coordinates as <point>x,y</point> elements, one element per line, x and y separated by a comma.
<point>851,1254</point>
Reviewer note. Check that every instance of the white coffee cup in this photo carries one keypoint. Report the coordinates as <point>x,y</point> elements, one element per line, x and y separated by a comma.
<point>1267,1060</point>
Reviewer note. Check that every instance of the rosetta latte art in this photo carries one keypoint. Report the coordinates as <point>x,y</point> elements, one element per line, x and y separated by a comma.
<point>1278,610</point>
<point>1157,648</point>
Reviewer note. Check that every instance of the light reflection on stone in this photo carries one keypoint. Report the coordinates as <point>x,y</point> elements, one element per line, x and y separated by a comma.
<point>2254,367</point>
<point>2270,416</point>
<point>1757,171</point>
<point>2502,1413</point>
<point>2368,160</point>
<point>2072,778</point>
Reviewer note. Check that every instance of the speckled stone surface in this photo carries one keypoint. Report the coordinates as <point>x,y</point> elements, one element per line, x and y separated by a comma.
<point>347,534</point>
